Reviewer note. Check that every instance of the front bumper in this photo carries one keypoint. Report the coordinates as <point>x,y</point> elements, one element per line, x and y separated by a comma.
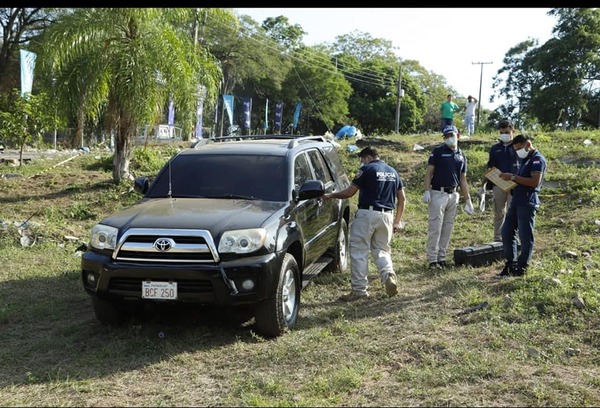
<point>220,284</point>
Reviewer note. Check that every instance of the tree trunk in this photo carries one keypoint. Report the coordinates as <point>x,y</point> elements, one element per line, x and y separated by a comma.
<point>123,151</point>
<point>78,140</point>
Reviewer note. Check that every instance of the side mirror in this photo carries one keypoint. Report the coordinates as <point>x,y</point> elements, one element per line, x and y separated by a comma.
<point>141,185</point>
<point>311,189</point>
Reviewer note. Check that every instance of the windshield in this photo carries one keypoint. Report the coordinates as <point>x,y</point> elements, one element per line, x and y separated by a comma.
<point>223,176</point>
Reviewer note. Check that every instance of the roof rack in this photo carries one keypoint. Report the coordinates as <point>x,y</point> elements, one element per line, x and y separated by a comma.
<point>295,142</point>
<point>294,139</point>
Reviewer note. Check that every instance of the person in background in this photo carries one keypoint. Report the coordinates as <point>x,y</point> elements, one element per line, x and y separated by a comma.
<point>446,173</point>
<point>381,190</point>
<point>504,158</point>
<point>523,207</point>
<point>470,115</point>
<point>447,110</point>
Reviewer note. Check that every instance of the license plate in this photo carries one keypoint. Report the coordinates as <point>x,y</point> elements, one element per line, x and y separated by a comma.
<point>159,290</point>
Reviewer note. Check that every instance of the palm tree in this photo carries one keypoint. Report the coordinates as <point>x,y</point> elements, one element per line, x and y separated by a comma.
<point>124,65</point>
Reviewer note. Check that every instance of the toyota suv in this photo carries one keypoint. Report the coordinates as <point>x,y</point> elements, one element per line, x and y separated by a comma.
<point>233,222</point>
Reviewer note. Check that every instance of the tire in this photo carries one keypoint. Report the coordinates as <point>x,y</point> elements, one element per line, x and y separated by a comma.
<point>341,251</point>
<point>108,313</point>
<point>279,313</point>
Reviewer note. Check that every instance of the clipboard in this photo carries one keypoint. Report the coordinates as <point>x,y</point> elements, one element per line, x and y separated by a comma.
<point>493,174</point>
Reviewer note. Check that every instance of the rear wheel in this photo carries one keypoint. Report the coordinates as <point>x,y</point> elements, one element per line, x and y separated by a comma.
<point>109,313</point>
<point>341,251</point>
<point>279,312</point>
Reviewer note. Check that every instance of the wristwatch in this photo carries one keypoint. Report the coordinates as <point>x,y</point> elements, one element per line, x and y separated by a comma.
<point>513,177</point>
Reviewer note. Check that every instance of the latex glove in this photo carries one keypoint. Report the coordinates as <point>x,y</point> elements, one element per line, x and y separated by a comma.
<point>482,203</point>
<point>426,196</point>
<point>481,196</point>
<point>469,207</point>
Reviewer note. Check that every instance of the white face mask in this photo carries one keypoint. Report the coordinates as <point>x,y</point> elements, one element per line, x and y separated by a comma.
<point>522,153</point>
<point>451,141</point>
<point>505,137</point>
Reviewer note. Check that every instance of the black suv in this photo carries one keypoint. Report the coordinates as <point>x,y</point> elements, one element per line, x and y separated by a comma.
<point>235,222</point>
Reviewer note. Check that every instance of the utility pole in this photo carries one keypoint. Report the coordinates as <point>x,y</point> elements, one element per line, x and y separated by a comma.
<point>480,81</point>
<point>398,99</point>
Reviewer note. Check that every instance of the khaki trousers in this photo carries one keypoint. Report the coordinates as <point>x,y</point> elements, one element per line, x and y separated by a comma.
<point>501,201</point>
<point>370,231</point>
<point>442,211</point>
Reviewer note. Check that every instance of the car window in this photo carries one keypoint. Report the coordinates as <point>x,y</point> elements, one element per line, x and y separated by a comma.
<point>302,171</point>
<point>223,176</point>
<point>319,166</point>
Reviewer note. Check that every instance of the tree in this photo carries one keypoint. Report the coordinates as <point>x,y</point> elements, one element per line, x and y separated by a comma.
<point>554,83</point>
<point>284,33</point>
<point>254,64</point>
<point>24,118</point>
<point>322,90</point>
<point>19,27</point>
<point>372,68</point>
<point>125,64</point>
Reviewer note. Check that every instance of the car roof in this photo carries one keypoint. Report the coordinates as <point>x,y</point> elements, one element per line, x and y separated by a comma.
<point>277,145</point>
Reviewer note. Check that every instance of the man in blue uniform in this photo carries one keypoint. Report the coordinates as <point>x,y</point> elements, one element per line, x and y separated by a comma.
<point>446,173</point>
<point>504,158</point>
<point>523,207</point>
<point>381,191</point>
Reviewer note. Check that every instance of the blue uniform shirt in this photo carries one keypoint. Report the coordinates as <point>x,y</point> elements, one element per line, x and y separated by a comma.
<point>504,158</point>
<point>449,164</point>
<point>378,185</point>
<point>527,196</point>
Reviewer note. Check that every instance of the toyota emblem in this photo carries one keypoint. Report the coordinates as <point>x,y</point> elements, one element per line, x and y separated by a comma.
<point>164,244</point>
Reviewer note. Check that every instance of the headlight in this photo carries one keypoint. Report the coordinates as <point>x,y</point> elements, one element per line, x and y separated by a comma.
<point>242,241</point>
<point>103,237</point>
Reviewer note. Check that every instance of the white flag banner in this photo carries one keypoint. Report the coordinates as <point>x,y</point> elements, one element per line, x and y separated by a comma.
<point>27,67</point>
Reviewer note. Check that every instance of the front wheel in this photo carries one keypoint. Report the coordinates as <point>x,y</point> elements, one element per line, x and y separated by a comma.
<point>279,312</point>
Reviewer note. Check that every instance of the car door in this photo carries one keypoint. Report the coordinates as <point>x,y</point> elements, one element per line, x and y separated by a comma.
<point>326,231</point>
<point>307,211</point>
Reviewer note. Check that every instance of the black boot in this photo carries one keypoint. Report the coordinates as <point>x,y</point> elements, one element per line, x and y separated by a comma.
<point>507,270</point>
<point>518,270</point>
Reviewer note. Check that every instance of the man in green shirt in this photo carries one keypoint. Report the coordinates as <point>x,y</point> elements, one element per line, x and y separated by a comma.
<point>447,109</point>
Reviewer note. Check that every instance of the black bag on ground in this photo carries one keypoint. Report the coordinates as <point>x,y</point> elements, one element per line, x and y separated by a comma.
<point>479,255</point>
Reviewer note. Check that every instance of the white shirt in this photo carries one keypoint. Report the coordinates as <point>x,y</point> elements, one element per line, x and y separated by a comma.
<point>470,110</point>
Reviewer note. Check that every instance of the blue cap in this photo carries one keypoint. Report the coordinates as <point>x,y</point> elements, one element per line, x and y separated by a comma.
<point>449,129</point>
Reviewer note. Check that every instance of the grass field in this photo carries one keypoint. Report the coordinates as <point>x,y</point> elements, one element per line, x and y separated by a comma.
<point>531,345</point>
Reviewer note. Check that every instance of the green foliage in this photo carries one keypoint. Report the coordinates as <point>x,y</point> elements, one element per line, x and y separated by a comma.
<point>81,211</point>
<point>150,161</point>
<point>100,67</point>
<point>538,92</point>
<point>22,119</point>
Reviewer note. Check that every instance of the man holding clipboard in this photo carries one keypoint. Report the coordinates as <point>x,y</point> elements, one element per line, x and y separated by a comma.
<point>523,207</point>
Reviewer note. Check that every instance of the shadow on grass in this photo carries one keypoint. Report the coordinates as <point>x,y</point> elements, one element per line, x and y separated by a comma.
<point>48,332</point>
<point>433,290</point>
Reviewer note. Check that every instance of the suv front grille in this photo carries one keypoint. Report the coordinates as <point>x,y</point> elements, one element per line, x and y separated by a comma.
<point>166,245</point>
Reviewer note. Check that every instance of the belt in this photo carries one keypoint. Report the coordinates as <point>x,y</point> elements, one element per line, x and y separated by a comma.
<point>448,190</point>
<point>373,208</point>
